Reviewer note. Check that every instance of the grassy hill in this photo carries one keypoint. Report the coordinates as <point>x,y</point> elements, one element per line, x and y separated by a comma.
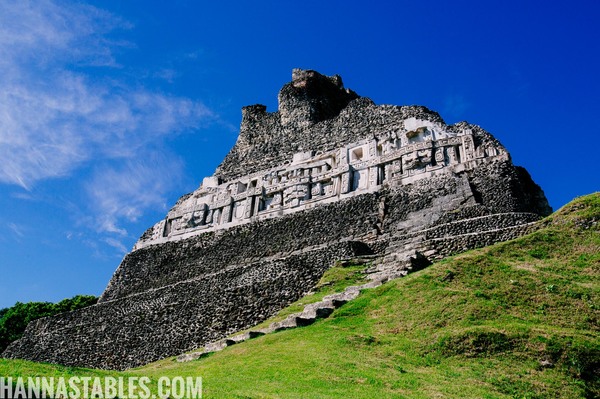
<point>514,320</point>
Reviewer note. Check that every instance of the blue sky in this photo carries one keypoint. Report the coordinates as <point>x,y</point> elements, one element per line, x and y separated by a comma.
<point>111,110</point>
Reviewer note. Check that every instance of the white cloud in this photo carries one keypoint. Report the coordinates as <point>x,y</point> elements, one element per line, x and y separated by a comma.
<point>66,104</point>
<point>46,32</point>
<point>117,245</point>
<point>23,196</point>
<point>54,117</point>
<point>123,192</point>
<point>16,229</point>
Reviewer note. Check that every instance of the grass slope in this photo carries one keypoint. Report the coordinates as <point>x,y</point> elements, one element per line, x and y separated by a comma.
<point>514,320</point>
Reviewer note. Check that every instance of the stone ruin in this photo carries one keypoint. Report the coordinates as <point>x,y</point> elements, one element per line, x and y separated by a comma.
<point>327,177</point>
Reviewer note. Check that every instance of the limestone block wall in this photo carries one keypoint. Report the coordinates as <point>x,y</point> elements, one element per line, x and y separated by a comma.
<point>460,242</point>
<point>498,221</point>
<point>490,182</point>
<point>320,156</point>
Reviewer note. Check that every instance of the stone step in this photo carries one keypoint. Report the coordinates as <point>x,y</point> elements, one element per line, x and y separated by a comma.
<point>429,253</point>
<point>341,298</point>
<point>263,331</point>
<point>374,283</point>
<point>188,357</point>
<point>215,346</point>
<point>304,321</point>
<point>243,337</point>
<point>288,322</point>
<point>308,316</point>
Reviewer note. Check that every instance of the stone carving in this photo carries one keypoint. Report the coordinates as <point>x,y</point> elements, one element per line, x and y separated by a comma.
<point>440,159</point>
<point>453,159</point>
<point>309,178</point>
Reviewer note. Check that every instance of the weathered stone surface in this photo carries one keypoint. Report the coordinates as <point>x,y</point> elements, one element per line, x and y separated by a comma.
<point>311,97</point>
<point>328,176</point>
<point>177,318</point>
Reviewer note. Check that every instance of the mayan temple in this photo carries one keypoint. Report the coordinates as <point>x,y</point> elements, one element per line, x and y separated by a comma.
<point>328,176</point>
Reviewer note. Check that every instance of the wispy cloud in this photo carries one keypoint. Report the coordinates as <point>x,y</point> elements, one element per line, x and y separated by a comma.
<point>16,229</point>
<point>46,32</point>
<point>123,192</point>
<point>66,103</point>
<point>118,245</point>
<point>53,117</point>
<point>26,196</point>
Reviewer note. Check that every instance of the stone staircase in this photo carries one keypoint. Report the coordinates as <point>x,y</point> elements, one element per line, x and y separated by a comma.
<point>407,252</point>
<point>311,313</point>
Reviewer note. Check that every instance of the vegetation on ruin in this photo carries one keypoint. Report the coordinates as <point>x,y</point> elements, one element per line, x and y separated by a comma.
<point>518,319</point>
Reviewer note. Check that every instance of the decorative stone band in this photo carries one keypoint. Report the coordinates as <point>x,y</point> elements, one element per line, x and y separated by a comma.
<point>311,179</point>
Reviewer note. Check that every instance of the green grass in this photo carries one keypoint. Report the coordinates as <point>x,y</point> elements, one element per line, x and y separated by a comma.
<point>477,325</point>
